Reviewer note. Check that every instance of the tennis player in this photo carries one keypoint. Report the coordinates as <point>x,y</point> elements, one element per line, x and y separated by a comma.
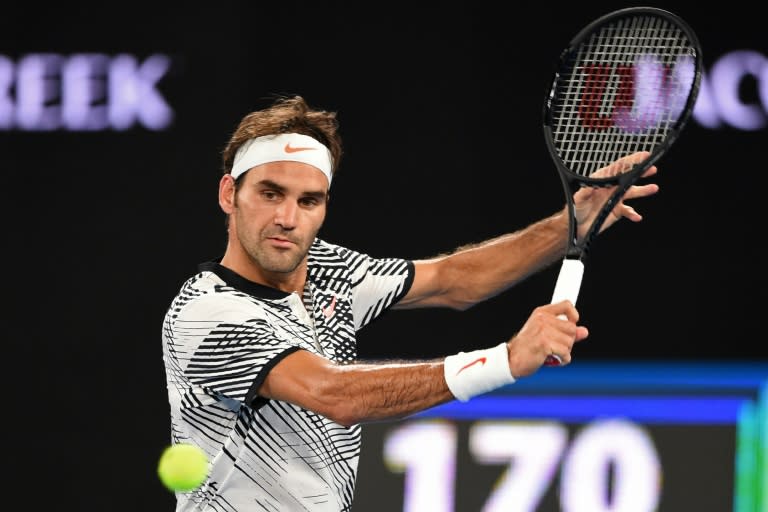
<point>259,345</point>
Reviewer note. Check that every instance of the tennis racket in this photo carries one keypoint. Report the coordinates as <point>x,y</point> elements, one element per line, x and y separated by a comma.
<point>622,92</point>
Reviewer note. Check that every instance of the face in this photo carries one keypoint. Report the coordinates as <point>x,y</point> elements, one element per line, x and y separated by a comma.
<point>277,213</point>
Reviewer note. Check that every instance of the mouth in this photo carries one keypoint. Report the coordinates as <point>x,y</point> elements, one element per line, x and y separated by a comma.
<point>280,242</point>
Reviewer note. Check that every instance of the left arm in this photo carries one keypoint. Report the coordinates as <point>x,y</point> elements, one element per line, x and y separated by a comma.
<point>474,273</point>
<point>477,272</point>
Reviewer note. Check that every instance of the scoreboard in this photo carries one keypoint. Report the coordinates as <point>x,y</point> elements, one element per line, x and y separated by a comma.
<point>594,437</point>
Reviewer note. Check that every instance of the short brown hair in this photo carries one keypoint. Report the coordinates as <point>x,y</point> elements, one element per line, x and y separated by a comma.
<point>287,114</point>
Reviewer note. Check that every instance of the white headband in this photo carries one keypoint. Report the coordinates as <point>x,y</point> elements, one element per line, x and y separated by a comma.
<point>285,146</point>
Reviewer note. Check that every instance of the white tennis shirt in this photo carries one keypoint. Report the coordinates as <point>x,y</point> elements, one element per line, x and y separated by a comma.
<point>221,336</point>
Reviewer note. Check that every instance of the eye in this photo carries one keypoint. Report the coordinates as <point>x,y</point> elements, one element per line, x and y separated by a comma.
<point>270,195</point>
<point>309,201</point>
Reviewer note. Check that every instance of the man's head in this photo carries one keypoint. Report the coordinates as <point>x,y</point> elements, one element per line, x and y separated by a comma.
<point>278,167</point>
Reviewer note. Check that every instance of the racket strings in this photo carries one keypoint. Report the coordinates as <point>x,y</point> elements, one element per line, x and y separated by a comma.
<point>621,91</point>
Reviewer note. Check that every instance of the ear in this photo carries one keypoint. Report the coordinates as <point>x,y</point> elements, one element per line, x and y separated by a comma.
<point>227,193</point>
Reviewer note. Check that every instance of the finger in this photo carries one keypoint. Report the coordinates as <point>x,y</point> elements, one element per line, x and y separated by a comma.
<point>583,193</point>
<point>561,344</point>
<point>636,191</point>
<point>627,212</point>
<point>565,308</point>
<point>628,161</point>
<point>560,351</point>
<point>638,156</point>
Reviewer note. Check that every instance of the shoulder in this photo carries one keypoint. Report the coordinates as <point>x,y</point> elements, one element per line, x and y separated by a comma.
<point>322,248</point>
<point>206,296</point>
<point>325,254</point>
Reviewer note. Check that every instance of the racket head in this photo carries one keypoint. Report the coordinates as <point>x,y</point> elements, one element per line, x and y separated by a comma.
<point>626,82</point>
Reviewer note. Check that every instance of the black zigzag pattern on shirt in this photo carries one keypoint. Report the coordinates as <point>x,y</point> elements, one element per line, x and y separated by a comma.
<point>219,341</point>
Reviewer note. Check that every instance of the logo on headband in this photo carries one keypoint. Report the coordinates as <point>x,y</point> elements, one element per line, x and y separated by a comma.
<point>289,149</point>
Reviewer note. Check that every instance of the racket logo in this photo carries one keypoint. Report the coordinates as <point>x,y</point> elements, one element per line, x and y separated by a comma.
<point>636,97</point>
<point>480,360</point>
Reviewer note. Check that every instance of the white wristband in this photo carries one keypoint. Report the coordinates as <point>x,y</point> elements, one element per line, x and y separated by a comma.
<point>470,374</point>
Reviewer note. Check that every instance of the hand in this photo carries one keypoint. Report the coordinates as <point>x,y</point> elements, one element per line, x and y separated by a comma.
<point>589,200</point>
<point>550,329</point>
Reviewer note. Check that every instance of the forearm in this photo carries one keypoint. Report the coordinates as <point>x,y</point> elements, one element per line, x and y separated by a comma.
<point>356,393</point>
<point>360,393</point>
<point>475,273</point>
<point>368,392</point>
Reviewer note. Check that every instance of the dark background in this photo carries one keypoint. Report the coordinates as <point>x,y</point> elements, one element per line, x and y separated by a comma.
<point>102,228</point>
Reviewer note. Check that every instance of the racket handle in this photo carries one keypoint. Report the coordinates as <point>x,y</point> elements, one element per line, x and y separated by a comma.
<point>567,287</point>
<point>569,281</point>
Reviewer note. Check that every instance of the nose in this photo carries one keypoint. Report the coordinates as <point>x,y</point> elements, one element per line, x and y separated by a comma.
<point>285,215</point>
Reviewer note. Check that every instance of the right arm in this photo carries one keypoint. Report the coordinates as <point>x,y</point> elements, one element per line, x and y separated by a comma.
<point>359,393</point>
<point>356,393</point>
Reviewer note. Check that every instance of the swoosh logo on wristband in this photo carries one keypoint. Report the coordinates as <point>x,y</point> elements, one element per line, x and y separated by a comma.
<point>291,149</point>
<point>480,360</point>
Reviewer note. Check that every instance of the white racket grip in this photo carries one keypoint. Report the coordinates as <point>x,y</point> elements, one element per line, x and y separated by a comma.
<point>567,287</point>
<point>569,281</point>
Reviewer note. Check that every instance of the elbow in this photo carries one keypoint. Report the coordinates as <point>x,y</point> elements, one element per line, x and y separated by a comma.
<point>316,384</point>
<point>457,301</point>
<point>456,291</point>
<point>460,305</point>
<point>343,416</point>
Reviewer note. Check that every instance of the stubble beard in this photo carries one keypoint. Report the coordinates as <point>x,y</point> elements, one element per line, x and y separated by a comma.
<point>271,259</point>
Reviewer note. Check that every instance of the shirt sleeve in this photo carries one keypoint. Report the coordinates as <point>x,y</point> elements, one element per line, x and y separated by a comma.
<point>377,284</point>
<point>229,346</point>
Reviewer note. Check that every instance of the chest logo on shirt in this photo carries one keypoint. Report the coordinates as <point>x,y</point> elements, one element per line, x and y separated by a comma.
<point>328,311</point>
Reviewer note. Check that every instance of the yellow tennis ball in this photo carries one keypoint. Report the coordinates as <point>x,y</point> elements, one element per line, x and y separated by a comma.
<point>182,467</point>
